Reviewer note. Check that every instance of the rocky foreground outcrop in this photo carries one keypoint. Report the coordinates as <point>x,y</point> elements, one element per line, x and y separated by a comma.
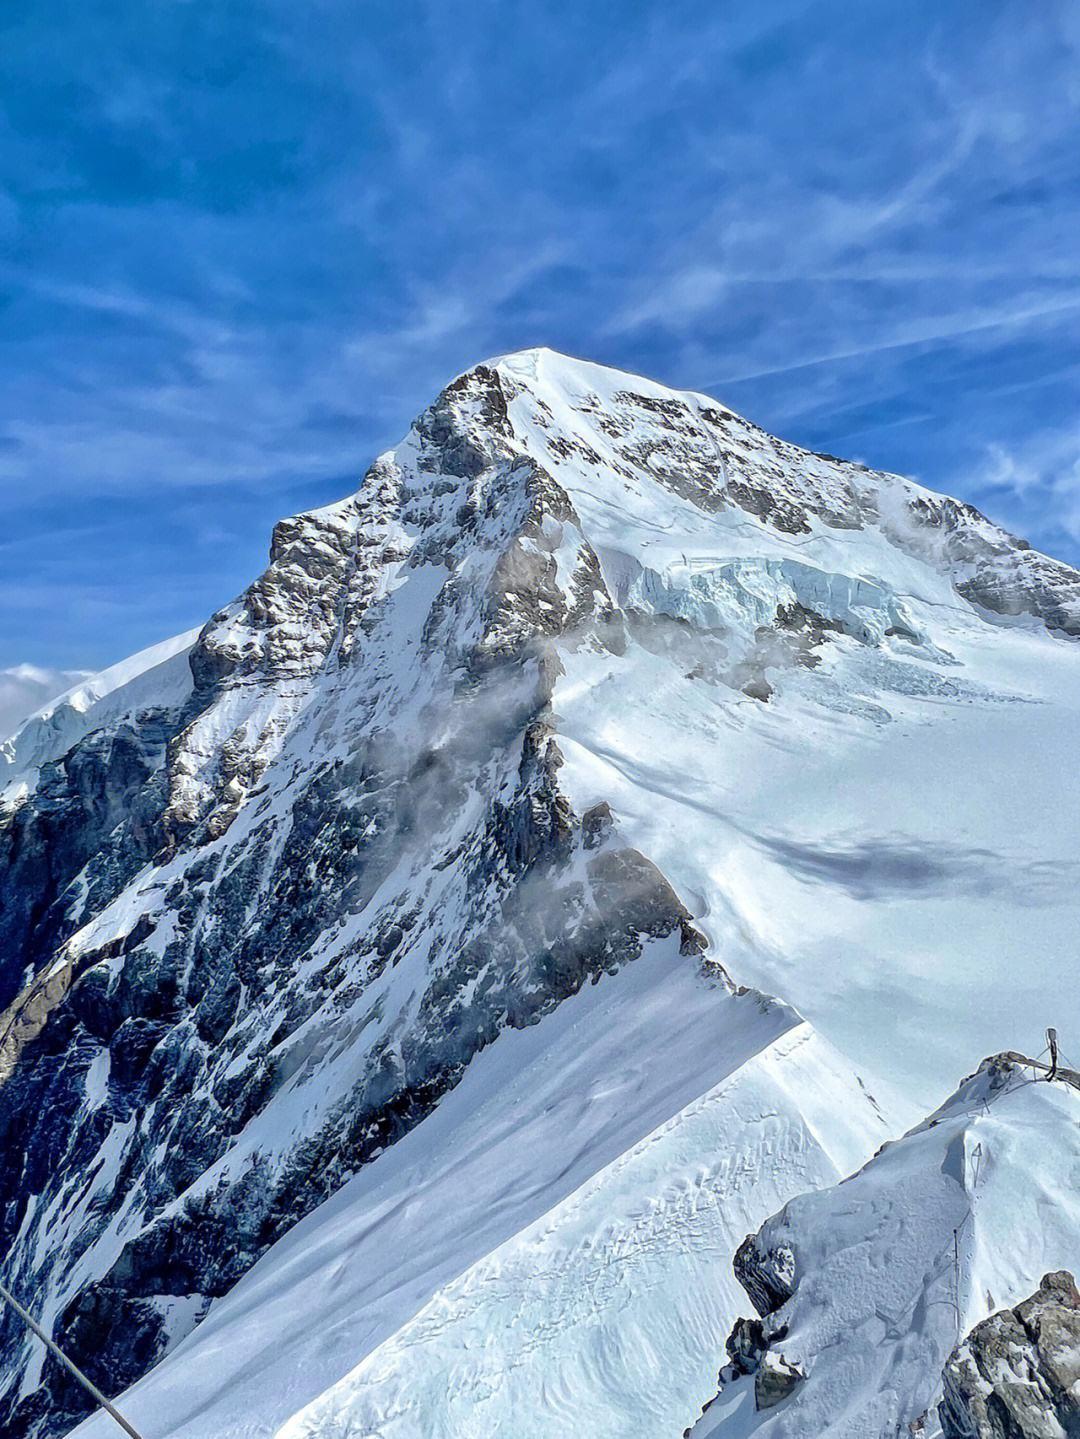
<point>859,1289</point>
<point>1017,1374</point>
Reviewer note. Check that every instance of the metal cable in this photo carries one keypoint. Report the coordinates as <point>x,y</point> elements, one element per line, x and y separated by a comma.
<point>58,1354</point>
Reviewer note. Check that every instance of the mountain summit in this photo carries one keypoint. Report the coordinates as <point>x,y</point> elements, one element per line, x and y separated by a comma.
<point>388,1038</point>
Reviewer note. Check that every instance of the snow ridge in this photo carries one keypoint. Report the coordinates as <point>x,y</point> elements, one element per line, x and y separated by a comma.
<point>895,1266</point>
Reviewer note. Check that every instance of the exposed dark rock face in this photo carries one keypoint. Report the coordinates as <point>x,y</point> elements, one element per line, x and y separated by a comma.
<point>745,1345</point>
<point>1017,1374</point>
<point>1027,583</point>
<point>345,844</point>
<point>767,1275</point>
<point>775,1380</point>
<point>98,806</point>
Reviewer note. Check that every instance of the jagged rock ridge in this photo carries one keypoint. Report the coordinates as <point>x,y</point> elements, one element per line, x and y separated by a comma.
<point>1017,1374</point>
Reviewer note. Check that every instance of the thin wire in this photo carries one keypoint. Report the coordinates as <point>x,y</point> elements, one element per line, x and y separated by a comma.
<point>57,1353</point>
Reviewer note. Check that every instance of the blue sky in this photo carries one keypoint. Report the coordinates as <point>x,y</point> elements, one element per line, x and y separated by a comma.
<point>242,242</point>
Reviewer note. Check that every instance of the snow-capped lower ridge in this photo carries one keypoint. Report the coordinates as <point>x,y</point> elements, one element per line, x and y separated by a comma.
<point>385,1040</point>
<point>551,1247</point>
<point>159,675</point>
<point>867,1291</point>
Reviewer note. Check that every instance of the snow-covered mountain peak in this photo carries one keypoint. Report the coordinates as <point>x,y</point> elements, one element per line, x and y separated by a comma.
<point>512,788</point>
<point>621,437</point>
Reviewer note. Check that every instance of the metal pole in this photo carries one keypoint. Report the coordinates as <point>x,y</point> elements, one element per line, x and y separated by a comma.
<point>59,1355</point>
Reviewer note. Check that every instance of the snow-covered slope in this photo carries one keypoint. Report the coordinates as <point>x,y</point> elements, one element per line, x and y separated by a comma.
<point>25,688</point>
<point>892,1268</point>
<point>561,1224</point>
<point>885,835</point>
<point>159,675</point>
<point>592,692</point>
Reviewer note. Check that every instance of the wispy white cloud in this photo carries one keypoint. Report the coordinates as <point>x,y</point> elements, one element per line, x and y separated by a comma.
<point>925,331</point>
<point>25,688</point>
<point>1038,478</point>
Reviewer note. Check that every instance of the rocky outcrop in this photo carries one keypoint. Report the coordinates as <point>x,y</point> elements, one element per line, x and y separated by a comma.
<point>766,1273</point>
<point>776,1380</point>
<point>753,1346</point>
<point>1017,1374</point>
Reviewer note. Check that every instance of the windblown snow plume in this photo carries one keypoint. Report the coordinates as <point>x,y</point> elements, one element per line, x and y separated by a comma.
<point>387,1040</point>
